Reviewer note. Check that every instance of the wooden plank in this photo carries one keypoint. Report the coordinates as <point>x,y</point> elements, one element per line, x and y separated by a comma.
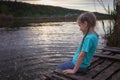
<point>94,59</point>
<point>118,55</point>
<point>94,64</point>
<point>108,57</point>
<point>73,76</point>
<point>59,77</point>
<point>107,72</point>
<point>115,76</point>
<point>106,53</point>
<point>98,69</point>
<point>112,49</point>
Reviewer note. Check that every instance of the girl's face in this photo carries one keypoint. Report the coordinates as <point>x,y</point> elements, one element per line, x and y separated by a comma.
<point>83,26</point>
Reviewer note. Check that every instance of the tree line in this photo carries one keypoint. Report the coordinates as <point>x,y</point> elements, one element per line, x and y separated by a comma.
<point>19,9</point>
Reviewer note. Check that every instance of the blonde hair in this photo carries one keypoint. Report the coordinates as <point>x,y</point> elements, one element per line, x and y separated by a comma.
<point>89,17</point>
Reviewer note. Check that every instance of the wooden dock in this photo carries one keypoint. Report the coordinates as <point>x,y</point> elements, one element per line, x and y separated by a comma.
<point>105,66</point>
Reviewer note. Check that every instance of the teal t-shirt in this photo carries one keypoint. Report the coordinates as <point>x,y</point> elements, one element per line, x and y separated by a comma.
<point>89,46</point>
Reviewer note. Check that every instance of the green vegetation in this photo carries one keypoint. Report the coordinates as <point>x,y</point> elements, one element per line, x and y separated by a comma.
<point>19,9</point>
<point>112,34</point>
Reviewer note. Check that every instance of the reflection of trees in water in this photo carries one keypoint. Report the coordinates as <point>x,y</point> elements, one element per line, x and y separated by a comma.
<point>26,21</point>
<point>6,20</point>
<point>11,28</point>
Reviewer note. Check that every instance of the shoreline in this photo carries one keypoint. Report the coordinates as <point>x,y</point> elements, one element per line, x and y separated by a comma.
<point>55,18</point>
<point>10,21</point>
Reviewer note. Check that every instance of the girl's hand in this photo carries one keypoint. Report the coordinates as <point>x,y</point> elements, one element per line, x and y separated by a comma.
<point>68,71</point>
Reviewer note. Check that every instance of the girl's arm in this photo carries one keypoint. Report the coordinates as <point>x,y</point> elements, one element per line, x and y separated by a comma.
<point>77,65</point>
<point>79,61</point>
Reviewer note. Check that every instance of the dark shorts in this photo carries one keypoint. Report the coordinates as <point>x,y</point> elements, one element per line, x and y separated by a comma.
<point>69,65</point>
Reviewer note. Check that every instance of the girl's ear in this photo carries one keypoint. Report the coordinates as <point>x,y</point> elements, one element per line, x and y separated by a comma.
<point>85,24</point>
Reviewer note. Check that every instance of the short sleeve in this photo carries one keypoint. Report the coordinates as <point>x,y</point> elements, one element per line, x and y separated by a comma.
<point>87,44</point>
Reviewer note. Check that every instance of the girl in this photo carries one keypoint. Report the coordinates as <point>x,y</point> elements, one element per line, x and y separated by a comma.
<point>84,53</point>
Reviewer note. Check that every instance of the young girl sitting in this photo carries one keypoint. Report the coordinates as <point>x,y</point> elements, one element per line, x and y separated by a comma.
<point>84,53</point>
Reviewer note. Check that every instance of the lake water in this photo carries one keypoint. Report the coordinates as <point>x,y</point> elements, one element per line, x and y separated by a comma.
<point>27,51</point>
<point>45,33</point>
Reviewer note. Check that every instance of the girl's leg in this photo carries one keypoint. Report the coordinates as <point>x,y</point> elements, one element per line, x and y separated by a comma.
<point>70,65</point>
<point>66,65</point>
